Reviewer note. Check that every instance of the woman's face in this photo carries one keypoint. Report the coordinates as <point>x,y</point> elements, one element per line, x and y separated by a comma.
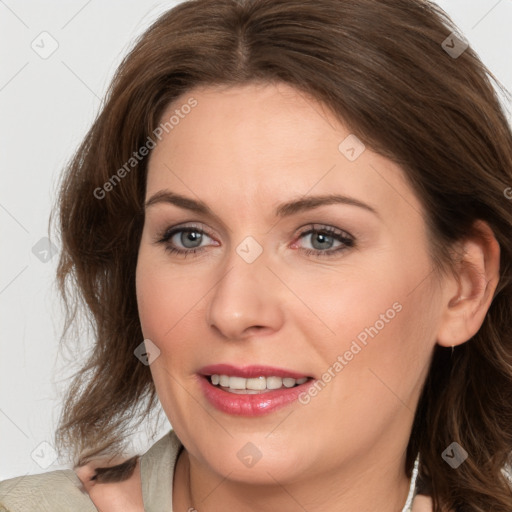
<point>351,305</point>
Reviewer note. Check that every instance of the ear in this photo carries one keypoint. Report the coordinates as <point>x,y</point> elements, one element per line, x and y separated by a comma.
<point>469,294</point>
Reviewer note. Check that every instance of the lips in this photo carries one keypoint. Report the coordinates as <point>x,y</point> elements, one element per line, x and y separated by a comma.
<point>249,372</point>
<point>253,404</point>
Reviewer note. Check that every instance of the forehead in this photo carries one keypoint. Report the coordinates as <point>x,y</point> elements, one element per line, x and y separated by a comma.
<point>265,143</point>
<point>270,122</point>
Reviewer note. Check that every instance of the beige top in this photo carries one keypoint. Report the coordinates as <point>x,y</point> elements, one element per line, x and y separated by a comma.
<point>60,491</point>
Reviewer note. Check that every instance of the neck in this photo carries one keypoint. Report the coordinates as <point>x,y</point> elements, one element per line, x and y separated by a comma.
<point>383,488</point>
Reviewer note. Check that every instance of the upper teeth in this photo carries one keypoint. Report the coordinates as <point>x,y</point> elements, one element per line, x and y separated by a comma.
<point>257,383</point>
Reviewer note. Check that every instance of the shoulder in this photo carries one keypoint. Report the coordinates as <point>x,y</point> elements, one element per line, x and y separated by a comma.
<point>56,491</point>
<point>149,487</point>
<point>422,503</point>
<point>64,490</point>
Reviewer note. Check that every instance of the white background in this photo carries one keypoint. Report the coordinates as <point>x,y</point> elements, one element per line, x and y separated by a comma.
<point>46,107</point>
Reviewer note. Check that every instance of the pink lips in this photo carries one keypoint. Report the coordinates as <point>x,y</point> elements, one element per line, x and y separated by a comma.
<point>248,371</point>
<point>250,404</point>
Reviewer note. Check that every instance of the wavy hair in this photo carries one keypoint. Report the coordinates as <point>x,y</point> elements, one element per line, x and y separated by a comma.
<point>381,67</point>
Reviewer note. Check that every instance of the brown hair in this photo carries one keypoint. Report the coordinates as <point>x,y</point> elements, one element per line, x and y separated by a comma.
<point>379,65</point>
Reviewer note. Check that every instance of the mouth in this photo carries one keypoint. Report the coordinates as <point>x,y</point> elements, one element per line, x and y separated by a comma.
<point>254,385</point>
<point>251,391</point>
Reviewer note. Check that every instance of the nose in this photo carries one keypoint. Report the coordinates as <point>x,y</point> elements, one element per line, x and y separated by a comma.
<point>248,299</point>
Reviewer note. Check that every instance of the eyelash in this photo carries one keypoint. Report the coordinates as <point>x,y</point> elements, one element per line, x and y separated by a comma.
<point>341,236</point>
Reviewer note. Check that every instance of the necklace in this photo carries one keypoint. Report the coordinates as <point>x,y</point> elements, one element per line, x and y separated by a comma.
<point>412,486</point>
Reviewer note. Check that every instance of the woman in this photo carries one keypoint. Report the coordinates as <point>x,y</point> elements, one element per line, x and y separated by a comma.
<point>301,207</point>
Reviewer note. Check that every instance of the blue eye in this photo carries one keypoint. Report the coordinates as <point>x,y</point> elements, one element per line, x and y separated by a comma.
<point>190,238</point>
<point>322,238</point>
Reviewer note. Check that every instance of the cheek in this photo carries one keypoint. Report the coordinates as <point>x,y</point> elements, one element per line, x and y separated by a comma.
<point>151,297</point>
<point>165,301</point>
<point>171,311</point>
<point>165,296</point>
<point>376,332</point>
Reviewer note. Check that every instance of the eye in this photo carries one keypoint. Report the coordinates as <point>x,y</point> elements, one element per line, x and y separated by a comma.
<point>183,240</point>
<point>324,238</point>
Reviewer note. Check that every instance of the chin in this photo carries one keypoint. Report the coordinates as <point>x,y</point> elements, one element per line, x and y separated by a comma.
<point>257,463</point>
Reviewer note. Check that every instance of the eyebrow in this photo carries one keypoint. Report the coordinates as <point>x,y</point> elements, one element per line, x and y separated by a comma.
<point>283,210</point>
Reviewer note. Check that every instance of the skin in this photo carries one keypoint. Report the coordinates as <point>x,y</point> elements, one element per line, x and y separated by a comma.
<point>243,151</point>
